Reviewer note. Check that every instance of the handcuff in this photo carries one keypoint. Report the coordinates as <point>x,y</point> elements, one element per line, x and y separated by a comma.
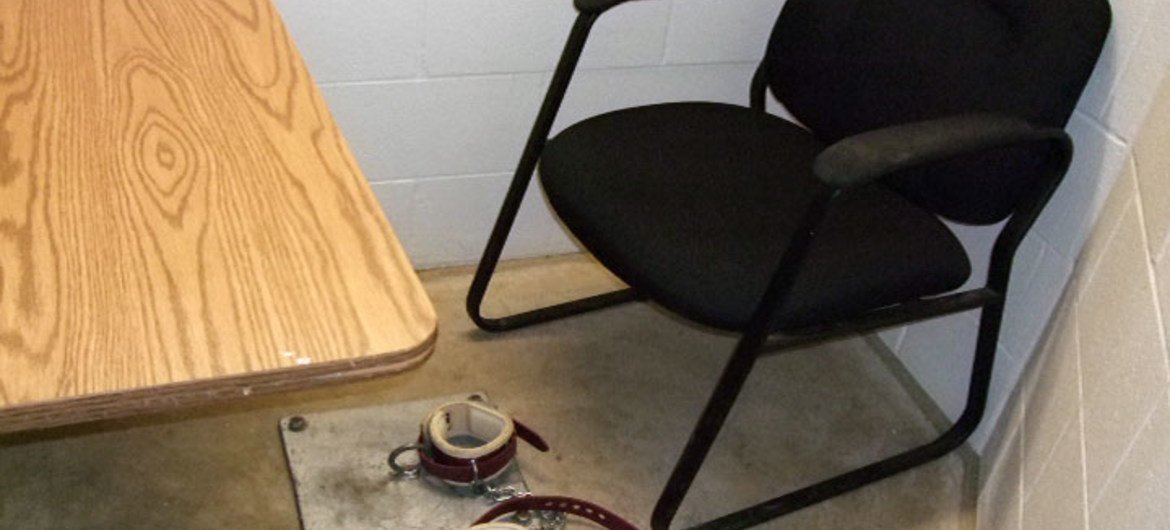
<point>468,445</point>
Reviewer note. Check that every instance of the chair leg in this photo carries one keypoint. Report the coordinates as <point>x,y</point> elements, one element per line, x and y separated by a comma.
<point>523,176</point>
<point>491,257</point>
<point>724,397</point>
<point>735,374</point>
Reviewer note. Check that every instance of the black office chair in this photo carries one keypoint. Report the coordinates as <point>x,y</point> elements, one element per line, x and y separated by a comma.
<point>738,219</point>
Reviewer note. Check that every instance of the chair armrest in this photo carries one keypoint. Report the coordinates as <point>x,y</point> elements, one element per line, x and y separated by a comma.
<point>596,7</point>
<point>870,155</point>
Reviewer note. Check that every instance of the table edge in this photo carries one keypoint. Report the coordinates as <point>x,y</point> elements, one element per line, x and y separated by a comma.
<point>176,396</point>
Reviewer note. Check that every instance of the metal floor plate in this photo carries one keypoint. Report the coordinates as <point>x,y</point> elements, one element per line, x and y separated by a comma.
<point>342,481</point>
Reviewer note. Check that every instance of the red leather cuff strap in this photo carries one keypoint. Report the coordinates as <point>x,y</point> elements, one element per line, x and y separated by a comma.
<point>460,470</point>
<point>530,436</point>
<point>569,505</point>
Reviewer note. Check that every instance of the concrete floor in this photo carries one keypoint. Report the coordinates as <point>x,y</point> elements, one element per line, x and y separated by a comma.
<point>615,392</point>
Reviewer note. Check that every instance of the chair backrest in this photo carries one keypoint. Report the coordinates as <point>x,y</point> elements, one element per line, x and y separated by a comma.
<point>847,66</point>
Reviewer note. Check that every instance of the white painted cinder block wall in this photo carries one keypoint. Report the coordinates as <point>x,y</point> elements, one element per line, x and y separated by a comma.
<point>436,98</point>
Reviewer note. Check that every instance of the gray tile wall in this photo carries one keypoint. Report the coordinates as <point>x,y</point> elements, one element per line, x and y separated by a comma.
<point>1117,100</point>
<point>1086,438</point>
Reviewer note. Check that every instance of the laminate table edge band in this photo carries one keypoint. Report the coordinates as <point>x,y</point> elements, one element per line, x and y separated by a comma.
<point>165,398</point>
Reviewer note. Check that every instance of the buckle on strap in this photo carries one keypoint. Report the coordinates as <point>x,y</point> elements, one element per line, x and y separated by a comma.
<point>466,443</point>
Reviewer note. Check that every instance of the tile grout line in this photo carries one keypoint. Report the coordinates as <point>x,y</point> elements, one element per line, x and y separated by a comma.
<point>1080,417</point>
<point>1124,456</point>
<point>1126,62</point>
<point>1049,456</point>
<point>520,73</point>
<point>1036,362</point>
<point>1064,432</point>
<point>1090,270</point>
<point>1147,248</point>
<point>1103,129</point>
<point>1048,244</point>
<point>666,33</point>
<point>1089,276</point>
<point>1019,448</point>
<point>902,332</point>
<point>424,67</point>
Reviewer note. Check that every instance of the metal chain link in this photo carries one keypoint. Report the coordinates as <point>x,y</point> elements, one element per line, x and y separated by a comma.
<point>543,520</point>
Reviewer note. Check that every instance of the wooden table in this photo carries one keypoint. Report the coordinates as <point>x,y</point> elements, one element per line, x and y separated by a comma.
<point>181,221</point>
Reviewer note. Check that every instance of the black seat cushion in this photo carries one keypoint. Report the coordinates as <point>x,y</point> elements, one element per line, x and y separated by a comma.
<point>693,204</point>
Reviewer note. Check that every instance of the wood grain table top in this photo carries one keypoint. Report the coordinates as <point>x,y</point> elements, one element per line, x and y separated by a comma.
<point>180,219</point>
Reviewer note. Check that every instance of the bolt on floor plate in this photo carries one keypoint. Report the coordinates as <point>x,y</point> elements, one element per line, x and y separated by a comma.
<point>338,464</point>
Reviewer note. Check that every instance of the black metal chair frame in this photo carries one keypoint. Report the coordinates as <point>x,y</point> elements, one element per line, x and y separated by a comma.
<point>758,338</point>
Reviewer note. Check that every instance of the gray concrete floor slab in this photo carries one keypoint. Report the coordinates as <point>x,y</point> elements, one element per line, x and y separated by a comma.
<point>615,392</point>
